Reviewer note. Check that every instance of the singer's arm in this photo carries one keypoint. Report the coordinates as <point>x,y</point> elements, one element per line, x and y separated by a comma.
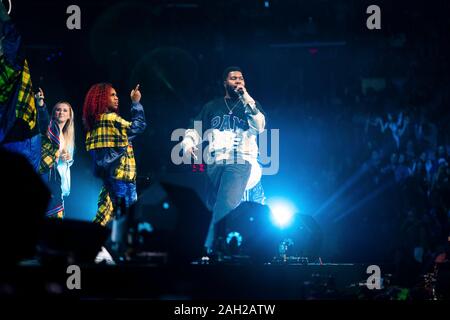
<point>256,119</point>
<point>192,136</point>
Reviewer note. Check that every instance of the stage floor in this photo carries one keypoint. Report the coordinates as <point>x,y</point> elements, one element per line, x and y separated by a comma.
<point>190,282</point>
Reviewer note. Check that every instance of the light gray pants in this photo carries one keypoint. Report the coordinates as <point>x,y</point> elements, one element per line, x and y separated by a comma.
<point>227,186</point>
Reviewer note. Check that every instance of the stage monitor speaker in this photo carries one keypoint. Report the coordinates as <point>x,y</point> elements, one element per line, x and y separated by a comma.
<point>257,237</point>
<point>249,229</point>
<point>70,241</point>
<point>172,219</point>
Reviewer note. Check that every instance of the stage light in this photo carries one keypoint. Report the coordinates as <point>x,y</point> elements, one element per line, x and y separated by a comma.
<point>166,206</point>
<point>282,212</point>
<point>145,226</point>
<point>234,242</point>
<point>236,235</point>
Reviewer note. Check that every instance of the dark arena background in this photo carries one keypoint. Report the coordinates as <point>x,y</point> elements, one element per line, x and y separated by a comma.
<point>357,195</point>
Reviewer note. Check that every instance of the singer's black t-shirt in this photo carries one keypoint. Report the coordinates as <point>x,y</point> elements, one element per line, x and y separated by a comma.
<point>216,115</point>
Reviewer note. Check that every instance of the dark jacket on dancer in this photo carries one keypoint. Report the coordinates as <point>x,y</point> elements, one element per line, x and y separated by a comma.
<point>19,131</point>
<point>54,171</point>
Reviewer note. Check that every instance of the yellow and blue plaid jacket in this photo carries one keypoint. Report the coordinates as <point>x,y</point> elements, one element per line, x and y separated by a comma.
<point>16,94</point>
<point>110,131</point>
<point>49,148</point>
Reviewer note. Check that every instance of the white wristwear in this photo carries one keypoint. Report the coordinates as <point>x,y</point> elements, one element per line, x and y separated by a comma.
<point>250,104</point>
<point>248,100</point>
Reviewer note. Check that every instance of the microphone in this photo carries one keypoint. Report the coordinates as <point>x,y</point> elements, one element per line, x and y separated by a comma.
<point>240,93</point>
<point>249,101</point>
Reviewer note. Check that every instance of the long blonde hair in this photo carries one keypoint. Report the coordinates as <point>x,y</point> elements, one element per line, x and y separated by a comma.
<point>69,127</point>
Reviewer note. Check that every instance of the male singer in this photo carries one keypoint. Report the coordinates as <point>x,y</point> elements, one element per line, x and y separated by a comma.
<point>232,123</point>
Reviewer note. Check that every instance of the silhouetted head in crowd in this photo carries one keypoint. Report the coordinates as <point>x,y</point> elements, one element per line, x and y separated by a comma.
<point>431,155</point>
<point>441,152</point>
<point>410,147</point>
<point>394,158</point>
<point>420,167</point>
<point>376,157</point>
<point>442,162</point>
<point>26,197</point>
<point>423,156</point>
<point>442,172</point>
<point>389,116</point>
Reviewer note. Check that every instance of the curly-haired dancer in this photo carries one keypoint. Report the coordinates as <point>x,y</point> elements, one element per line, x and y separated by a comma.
<point>108,140</point>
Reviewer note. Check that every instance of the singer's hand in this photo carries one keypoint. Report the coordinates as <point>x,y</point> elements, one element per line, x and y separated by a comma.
<point>245,97</point>
<point>40,97</point>
<point>240,89</point>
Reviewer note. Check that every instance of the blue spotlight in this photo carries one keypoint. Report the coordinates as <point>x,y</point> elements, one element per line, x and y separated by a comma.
<point>166,206</point>
<point>282,212</point>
